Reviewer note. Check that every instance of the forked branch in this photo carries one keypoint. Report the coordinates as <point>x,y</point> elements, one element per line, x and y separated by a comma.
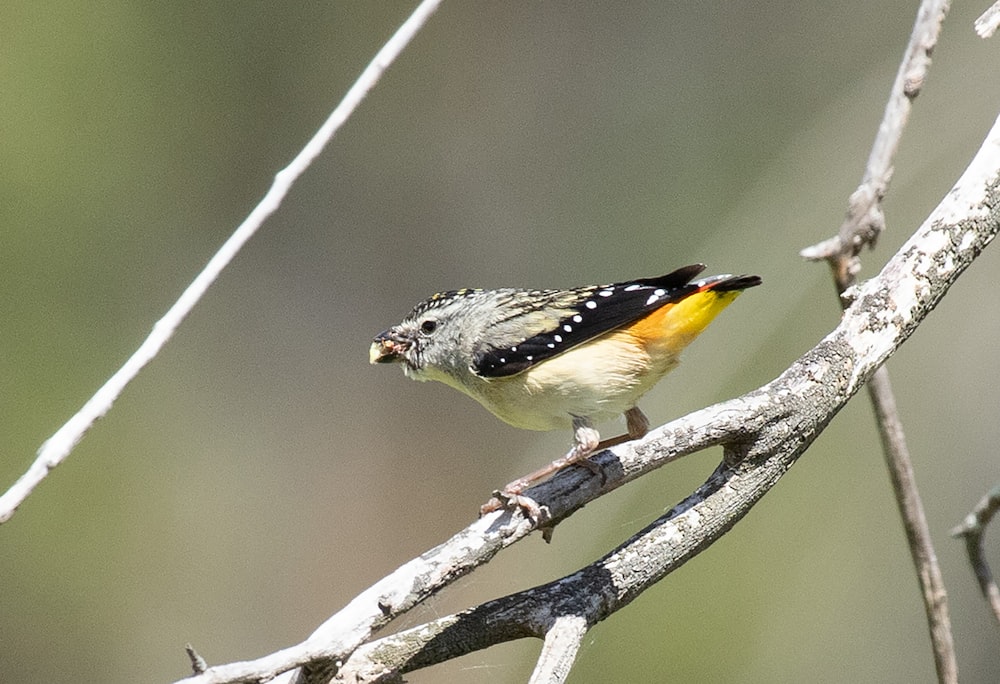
<point>972,530</point>
<point>864,222</point>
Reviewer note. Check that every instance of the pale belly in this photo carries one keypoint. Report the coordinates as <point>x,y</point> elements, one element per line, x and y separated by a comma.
<point>594,381</point>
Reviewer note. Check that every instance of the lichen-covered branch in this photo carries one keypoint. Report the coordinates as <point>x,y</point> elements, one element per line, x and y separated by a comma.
<point>763,432</point>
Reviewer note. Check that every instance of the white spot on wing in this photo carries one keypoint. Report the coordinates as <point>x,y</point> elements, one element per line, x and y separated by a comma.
<point>591,305</point>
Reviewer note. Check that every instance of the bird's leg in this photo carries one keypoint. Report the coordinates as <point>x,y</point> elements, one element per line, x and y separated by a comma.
<point>586,440</point>
<point>636,424</point>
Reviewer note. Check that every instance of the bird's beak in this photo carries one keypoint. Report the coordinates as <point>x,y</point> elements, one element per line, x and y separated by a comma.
<point>387,347</point>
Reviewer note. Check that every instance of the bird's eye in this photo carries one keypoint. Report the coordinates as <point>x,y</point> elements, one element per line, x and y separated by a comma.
<point>428,326</point>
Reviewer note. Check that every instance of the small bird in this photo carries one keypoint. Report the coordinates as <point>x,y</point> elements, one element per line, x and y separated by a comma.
<point>549,359</point>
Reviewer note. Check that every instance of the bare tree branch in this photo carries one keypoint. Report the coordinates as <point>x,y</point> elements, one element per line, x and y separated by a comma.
<point>59,446</point>
<point>865,219</point>
<point>763,434</point>
<point>562,642</point>
<point>918,534</point>
<point>864,222</point>
<point>974,525</point>
<point>972,529</point>
<point>986,25</point>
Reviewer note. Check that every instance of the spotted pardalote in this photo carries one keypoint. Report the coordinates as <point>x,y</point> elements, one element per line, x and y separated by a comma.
<point>548,359</point>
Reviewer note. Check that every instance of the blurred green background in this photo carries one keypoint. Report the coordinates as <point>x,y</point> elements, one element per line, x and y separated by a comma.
<point>259,473</point>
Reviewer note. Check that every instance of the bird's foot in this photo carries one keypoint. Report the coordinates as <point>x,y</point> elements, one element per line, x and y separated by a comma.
<point>511,498</point>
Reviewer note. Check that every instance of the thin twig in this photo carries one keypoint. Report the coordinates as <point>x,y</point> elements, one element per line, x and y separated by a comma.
<point>198,664</point>
<point>972,529</point>
<point>864,222</point>
<point>55,450</point>
<point>865,219</point>
<point>918,536</point>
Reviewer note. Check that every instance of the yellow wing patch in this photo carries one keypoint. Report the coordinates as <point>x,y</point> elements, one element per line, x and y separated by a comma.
<point>671,328</point>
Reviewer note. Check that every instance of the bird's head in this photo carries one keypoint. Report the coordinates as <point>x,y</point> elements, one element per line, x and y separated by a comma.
<point>434,338</point>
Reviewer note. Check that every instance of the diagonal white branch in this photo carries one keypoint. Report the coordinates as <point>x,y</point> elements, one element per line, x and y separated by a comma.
<point>57,447</point>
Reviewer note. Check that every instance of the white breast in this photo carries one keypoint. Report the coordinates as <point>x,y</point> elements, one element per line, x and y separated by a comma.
<point>597,380</point>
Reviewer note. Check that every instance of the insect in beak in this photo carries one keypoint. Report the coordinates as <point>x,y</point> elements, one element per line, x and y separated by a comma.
<point>387,347</point>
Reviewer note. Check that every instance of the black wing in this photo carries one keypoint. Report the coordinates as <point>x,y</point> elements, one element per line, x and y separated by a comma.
<point>589,313</point>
